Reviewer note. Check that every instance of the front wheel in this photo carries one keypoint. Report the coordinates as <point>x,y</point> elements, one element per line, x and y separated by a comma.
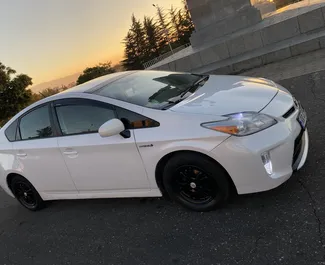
<point>196,182</point>
<point>26,194</point>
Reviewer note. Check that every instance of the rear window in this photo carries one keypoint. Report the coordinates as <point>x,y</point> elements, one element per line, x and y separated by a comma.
<point>36,124</point>
<point>11,131</point>
<point>152,89</point>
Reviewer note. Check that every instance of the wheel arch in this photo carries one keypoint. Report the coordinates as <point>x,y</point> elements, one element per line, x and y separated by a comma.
<point>10,177</point>
<point>163,161</point>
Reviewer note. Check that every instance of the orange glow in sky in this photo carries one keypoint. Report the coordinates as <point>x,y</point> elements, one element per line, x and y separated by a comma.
<point>52,39</point>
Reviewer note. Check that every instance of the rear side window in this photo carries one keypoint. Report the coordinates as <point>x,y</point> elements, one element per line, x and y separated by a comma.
<point>11,131</point>
<point>134,120</point>
<point>36,124</point>
<point>82,119</point>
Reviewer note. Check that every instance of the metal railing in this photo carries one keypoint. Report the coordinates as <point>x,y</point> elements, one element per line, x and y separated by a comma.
<point>164,56</point>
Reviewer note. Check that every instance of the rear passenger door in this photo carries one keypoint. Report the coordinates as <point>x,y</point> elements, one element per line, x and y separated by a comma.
<point>36,152</point>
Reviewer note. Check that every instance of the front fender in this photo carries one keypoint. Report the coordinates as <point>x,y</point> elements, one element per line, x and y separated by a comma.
<point>152,154</point>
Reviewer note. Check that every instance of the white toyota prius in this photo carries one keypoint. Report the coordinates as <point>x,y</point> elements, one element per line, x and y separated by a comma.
<point>193,138</point>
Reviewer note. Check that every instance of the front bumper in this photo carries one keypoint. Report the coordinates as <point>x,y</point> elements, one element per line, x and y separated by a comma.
<point>241,156</point>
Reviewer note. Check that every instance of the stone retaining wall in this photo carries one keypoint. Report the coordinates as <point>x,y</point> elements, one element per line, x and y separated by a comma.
<point>261,45</point>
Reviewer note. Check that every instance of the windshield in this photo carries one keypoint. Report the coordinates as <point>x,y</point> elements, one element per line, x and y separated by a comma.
<point>152,89</point>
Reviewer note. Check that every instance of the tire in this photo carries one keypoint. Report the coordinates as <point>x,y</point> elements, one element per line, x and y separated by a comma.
<point>26,194</point>
<point>196,182</point>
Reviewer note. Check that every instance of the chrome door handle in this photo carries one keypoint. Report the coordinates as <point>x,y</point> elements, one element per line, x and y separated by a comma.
<point>21,155</point>
<point>69,153</point>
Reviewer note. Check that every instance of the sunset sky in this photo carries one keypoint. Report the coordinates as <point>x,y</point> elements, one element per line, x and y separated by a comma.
<point>49,39</point>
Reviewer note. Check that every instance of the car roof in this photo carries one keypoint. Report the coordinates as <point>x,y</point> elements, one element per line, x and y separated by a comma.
<point>87,87</point>
<point>94,84</point>
<point>83,88</point>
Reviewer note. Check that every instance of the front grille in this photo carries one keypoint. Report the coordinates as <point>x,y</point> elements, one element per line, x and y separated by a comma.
<point>297,147</point>
<point>289,112</point>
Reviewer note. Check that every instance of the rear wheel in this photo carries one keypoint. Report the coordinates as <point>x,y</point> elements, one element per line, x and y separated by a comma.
<point>196,182</point>
<point>26,194</point>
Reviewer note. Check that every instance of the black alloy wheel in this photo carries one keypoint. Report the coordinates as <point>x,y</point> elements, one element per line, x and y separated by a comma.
<point>26,194</point>
<point>196,182</point>
<point>194,185</point>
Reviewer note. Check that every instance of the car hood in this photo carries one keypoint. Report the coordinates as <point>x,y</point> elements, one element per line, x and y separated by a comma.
<point>222,95</point>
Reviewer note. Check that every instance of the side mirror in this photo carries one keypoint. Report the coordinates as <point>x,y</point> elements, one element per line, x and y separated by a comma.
<point>111,127</point>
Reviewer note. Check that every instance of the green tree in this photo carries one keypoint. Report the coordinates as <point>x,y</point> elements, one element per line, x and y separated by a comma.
<point>93,72</point>
<point>152,36</point>
<point>34,98</point>
<point>130,61</point>
<point>50,91</point>
<point>139,40</point>
<point>47,92</point>
<point>176,31</point>
<point>14,95</point>
<point>164,29</point>
<point>136,49</point>
<point>186,24</point>
<point>147,41</point>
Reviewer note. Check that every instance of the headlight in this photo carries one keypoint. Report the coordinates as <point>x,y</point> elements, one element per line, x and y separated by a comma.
<point>241,124</point>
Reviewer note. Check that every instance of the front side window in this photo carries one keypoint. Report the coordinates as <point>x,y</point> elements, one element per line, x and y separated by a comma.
<point>36,124</point>
<point>83,118</point>
<point>151,89</point>
<point>134,120</point>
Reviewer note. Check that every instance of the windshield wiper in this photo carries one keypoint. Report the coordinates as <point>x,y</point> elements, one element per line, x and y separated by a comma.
<point>172,103</point>
<point>180,98</point>
<point>198,82</point>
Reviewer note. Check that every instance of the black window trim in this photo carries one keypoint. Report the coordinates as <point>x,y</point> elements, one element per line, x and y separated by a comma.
<point>91,102</point>
<point>54,121</point>
<point>18,133</point>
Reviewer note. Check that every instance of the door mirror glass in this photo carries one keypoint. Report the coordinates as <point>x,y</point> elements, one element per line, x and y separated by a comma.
<point>111,127</point>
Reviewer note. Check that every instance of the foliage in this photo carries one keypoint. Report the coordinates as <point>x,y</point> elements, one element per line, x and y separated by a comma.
<point>47,92</point>
<point>153,38</point>
<point>186,24</point>
<point>150,39</point>
<point>50,91</point>
<point>131,62</point>
<point>175,22</point>
<point>93,72</point>
<point>14,94</point>
<point>164,26</point>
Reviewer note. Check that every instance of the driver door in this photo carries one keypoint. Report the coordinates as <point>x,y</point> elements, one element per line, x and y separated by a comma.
<point>97,164</point>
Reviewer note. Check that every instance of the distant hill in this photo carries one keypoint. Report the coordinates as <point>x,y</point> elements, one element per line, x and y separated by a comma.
<point>64,81</point>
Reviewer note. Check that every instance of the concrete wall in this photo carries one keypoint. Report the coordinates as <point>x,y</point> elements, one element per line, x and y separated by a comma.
<point>275,42</point>
<point>217,18</point>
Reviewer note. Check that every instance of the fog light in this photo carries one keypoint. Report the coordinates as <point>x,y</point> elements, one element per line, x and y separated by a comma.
<point>266,159</point>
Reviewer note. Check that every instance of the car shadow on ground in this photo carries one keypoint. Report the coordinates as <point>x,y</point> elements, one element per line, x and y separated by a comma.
<point>262,199</point>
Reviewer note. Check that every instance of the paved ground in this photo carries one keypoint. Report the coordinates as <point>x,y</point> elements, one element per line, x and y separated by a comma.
<point>283,226</point>
<point>292,67</point>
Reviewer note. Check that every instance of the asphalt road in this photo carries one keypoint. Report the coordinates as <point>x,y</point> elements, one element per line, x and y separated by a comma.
<point>282,226</point>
